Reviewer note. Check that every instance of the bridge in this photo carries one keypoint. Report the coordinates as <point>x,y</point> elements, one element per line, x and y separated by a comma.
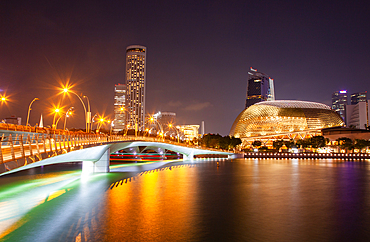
<point>21,151</point>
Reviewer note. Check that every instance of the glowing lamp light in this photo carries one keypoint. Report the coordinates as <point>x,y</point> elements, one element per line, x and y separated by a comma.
<point>343,91</point>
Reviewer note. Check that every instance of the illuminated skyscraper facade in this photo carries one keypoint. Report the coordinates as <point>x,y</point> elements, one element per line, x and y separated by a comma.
<point>135,86</point>
<point>358,97</point>
<point>260,87</point>
<point>339,103</point>
<point>119,107</point>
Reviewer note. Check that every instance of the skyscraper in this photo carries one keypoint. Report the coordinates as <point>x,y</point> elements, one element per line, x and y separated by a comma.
<point>135,86</point>
<point>358,97</point>
<point>339,103</point>
<point>119,107</point>
<point>260,87</point>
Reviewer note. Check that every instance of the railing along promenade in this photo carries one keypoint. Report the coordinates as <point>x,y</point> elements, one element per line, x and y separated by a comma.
<point>277,155</point>
<point>30,144</point>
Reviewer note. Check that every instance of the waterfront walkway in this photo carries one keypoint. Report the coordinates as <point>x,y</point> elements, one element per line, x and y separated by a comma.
<point>25,149</point>
<point>350,156</point>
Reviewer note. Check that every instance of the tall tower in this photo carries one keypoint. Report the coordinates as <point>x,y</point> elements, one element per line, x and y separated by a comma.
<point>119,107</point>
<point>358,97</point>
<point>135,86</point>
<point>260,87</point>
<point>339,102</point>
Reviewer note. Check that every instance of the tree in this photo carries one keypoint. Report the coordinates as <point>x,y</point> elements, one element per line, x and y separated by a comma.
<point>289,144</point>
<point>217,141</point>
<point>303,143</point>
<point>234,142</point>
<point>345,143</point>
<point>361,143</point>
<point>256,143</point>
<point>318,141</point>
<point>277,144</point>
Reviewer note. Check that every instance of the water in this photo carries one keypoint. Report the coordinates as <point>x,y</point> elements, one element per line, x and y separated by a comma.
<point>239,200</point>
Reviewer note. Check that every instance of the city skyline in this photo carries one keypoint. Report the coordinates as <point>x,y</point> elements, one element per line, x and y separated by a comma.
<point>199,57</point>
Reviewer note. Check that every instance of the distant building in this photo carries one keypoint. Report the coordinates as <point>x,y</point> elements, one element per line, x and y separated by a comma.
<point>135,84</point>
<point>188,132</point>
<point>165,118</point>
<point>358,97</point>
<point>339,103</point>
<point>283,119</point>
<point>119,107</point>
<point>260,87</point>
<point>13,120</point>
<point>357,115</point>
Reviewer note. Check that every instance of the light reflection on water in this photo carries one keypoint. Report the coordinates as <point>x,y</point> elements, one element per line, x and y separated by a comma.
<point>245,199</point>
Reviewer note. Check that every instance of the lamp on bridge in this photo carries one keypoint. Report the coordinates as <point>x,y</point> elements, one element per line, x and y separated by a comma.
<point>67,114</point>
<point>56,111</point>
<point>101,121</point>
<point>151,119</point>
<point>3,99</point>
<point>178,135</point>
<point>29,109</point>
<point>66,90</point>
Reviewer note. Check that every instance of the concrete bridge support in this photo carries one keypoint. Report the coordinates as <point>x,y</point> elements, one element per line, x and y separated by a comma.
<point>102,165</point>
<point>189,156</point>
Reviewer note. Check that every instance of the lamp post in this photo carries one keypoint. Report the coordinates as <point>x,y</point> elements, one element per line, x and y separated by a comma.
<point>66,90</point>
<point>88,115</point>
<point>69,112</point>
<point>56,111</point>
<point>101,121</point>
<point>160,126</point>
<point>178,136</point>
<point>93,120</point>
<point>3,99</point>
<point>29,109</point>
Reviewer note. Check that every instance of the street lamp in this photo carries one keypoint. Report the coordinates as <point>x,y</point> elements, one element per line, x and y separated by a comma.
<point>178,136</point>
<point>67,90</point>
<point>151,119</point>
<point>56,111</point>
<point>101,120</point>
<point>88,115</point>
<point>29,109</point>
<point>68,113</point>
<point>3,99</point>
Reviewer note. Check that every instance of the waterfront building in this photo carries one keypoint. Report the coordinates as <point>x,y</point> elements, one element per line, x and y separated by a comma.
<point>119,107</point>
<point>284,119</point>
<point>189,131</point>
<point>135,84</point>
<point>339,103</point>
<point>260,87</point>
<point>358,97</point>
<point>164,119</point>
<point>357,115</point>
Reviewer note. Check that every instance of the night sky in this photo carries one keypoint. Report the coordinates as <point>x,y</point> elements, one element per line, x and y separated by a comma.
<point>198,53</point>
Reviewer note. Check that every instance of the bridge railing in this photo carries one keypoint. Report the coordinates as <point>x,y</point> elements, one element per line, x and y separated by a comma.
<point>23,148</point>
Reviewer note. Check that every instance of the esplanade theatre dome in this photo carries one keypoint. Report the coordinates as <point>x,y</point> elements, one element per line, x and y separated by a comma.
<point>283,116</point>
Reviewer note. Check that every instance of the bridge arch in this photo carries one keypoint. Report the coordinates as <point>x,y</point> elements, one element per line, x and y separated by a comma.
<point>96,159</point>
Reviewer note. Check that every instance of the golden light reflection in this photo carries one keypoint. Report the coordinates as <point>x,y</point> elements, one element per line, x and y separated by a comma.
<point>155,198</point>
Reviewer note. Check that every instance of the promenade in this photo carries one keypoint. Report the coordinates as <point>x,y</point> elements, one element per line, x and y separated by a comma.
<point>277,155</point>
